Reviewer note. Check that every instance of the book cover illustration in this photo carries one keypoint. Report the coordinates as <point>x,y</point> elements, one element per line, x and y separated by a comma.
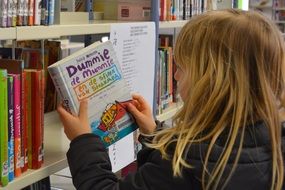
<point>94,73</point>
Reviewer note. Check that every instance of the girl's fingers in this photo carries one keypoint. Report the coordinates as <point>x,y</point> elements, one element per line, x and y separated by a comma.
<point>83,110</point>
<point>143,103</point>
<point>63,113</point>
<point>133,110</point>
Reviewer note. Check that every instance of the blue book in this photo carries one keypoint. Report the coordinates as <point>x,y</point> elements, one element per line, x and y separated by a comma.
<point>51,7</point>
<point>11,127</point>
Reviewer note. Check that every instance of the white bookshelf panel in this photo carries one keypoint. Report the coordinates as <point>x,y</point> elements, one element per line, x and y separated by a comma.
<point>7,33</point>
<point>172,24</point>
<point>169,112</point>
<point>69,29</point>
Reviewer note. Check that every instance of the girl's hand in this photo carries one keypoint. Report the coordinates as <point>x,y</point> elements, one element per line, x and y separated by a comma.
<point>75,125</point>
<point>141,111</point>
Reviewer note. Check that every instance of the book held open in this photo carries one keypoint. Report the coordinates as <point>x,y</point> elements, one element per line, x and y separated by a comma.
<point>94,73</point>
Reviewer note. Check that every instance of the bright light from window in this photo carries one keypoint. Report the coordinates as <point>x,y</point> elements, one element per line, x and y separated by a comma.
<point>245,4</point>
<point>104,39</point>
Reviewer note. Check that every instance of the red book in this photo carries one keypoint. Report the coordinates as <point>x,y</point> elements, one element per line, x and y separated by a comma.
<point>28,114</point>
<point>24,134</point>
<point>37,120</point>
<point>162,15</point>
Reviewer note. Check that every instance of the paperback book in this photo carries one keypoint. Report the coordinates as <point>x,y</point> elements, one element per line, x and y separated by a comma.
<point>94,73</point>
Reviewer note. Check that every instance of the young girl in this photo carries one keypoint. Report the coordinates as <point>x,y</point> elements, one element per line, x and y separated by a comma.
<point>228,134</point>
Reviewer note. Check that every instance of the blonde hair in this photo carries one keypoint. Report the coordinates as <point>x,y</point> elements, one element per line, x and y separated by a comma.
<point>234,63</point>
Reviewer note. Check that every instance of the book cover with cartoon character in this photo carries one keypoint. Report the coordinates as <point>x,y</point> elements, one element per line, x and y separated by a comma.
<point>94,73</point>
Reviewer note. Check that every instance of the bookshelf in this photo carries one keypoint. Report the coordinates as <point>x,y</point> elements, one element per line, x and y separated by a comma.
<point>56,146</point>
<point>55,142</point>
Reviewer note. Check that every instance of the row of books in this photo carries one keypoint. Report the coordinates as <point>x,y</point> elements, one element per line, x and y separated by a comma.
<point>278,4</point>
<point>26,93</point>
<point>21,126</point>
<point>26,12</point>
<point>279,15</point>
<point>181,9</point>
<point>166,85</point>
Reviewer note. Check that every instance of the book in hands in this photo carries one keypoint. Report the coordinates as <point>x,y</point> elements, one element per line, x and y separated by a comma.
<point>94,73</point>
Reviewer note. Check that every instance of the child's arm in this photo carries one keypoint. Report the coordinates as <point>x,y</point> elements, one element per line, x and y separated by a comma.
<point>90,168</point>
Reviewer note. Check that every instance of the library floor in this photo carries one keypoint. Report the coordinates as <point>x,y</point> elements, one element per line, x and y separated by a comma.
<point>62,180</point>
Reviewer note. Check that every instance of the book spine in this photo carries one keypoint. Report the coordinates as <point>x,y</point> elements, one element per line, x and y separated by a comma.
<point>31,13</point>
<point>162,10</point>
<point>11,127</point>
<point>25,12</point>
<point>44,12</point>
<point>36,119</point>
<point>17,125</point>
<point>3,13</point>
<point>9,13</point>
<point>62,90</point>
<point>20,13</point>
<point>14,12</point>
<point>37,12</point>
<point>24,135</point>
<point>41,159</point>
<point>51,7</point>
<point>3,129</point>
<point>28,87</point>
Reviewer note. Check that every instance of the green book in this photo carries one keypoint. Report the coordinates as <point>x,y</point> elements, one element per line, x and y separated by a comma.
<point>4,169</point>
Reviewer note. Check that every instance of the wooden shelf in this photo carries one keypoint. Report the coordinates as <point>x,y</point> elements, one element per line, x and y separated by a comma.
<point>169,112</point>
<point>55,146</point>
<point>8,33</point>
<point>172,24</point>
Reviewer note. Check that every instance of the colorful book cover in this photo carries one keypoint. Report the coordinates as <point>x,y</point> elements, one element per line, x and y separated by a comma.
<point>4,169</point>
<point>3,13</point>
<point>94,73</point>
<point>11,127</point>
